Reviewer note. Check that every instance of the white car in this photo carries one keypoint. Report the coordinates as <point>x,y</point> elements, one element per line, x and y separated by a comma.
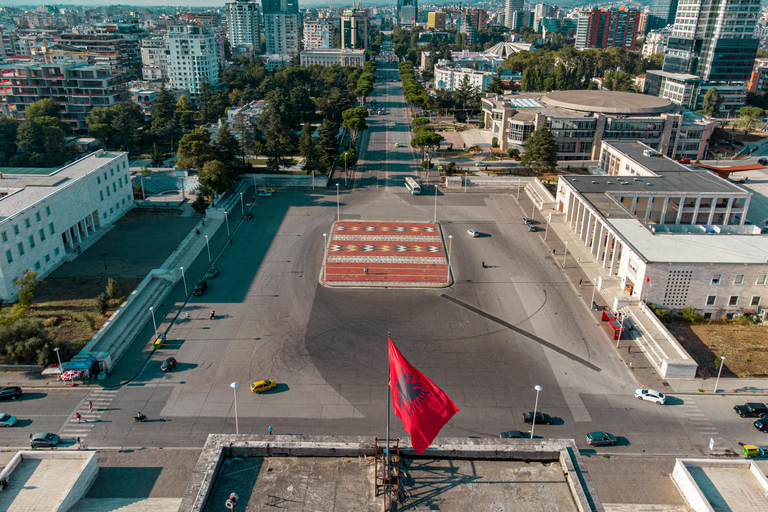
<point>473,233</point>
<point>651,395</point>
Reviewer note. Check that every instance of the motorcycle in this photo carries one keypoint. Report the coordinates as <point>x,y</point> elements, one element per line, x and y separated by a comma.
<point>140,417</point>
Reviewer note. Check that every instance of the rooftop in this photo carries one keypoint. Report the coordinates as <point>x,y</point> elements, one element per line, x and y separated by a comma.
<point>683,77</point>
<point>333,50</point>
<point>607,102</point>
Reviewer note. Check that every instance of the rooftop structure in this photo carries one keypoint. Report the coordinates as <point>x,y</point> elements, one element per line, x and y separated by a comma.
<point>581,120</point>
<point>688,90</point>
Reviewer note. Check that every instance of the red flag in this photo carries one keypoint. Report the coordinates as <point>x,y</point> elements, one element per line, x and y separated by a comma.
<point>422,406</point>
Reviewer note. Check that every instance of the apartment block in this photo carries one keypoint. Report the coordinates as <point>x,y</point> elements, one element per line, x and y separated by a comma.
<point>603,28</point>
<point>192,57</point>
<point>154,59</point>
<point>318,34</point>
<point>436,21</point>
<point>282,34</point>
<point>354,29</point>
<point>243,23</point>
<point>127,47</point>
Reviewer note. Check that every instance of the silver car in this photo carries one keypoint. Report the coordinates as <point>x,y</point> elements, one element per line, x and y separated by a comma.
<point>651,395</point>
<point>6,420</point>
<point>473,233</point>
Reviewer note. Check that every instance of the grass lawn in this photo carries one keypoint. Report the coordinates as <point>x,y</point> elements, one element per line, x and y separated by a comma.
<point>491,159</point>
<point>706,342</point>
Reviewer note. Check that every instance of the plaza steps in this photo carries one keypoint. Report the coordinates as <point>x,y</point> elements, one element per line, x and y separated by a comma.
<point>127,505</point>
<point>631,507</point>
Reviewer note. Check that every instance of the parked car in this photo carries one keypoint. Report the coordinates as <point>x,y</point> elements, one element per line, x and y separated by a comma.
<point>531,227</point>
<point>168,365</point>
<point>761,425</point>
<point>264,194</point>
<point>397,144</point>
<point>546,419</point>
<point>211,273</point>
<point>601,439</point>
<point>261,386</point>
<point>512,434</point>
<point>200,288</point>
<point>751,409</point>
<point>651,396</point>
<point>526,220</point>
<point>248,216</point>
<point>43,440</point>
<point>762,161</point>
<point>10,393</point>
<point>481,165</point>
<point>473,233</point>
<point>6,420</point>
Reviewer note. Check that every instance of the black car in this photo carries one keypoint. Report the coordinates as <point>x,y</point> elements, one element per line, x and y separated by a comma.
<point>751,409</point>
<point>512,434</point>
<point>200,288</point>
<point>761,425</point>
<point>248,216</point>
<point>10,393</point>
<point>762,161</point>
<point>546,419</point>
<point>168,365</point>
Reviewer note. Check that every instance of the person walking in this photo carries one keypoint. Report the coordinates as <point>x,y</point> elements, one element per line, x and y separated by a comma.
<point>90,406</point>
<point>270,430</point>
<point>230,241</point>
<point>77,417</point>
<point>579,282</point>
<point>483,263</point>
<point>629,349</point>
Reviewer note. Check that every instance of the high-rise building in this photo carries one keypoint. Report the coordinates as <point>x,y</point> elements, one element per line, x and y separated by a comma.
<point>286,6</point>
<point>520,19</point>
<point>243,23</point>
<point>318,34</point>
<point>354,29</point>
<point>192,57</point>
<point>714,39</point>
<point>436,21</point>
<point>661,14</point>
<point>544,11</point>
<point>407,12</point>
<point>603,28</point>
<point>154,59</point>
<point>126,47</point>
<point>282,34</point>
<point>510,7</point>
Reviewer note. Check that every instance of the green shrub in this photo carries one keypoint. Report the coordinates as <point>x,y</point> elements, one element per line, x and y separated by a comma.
<point>742,320</point>
<point>102,303</point>
<point>691,316</point>
<point>111,288</point>
<point>495,142</point>
<point>89,319</point>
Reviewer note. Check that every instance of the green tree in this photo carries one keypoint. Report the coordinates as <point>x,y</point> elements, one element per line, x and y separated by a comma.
<point>185,113</point>
<point>328,136</point>
<point>749,117</point>
<point>27,341</point>
<point>164,123</point>
<point>195,149</point>
<point>42,108</point>
<point>26,287</point>
<point>102,303</point>
<point>618,81</point>
<point>540,151</point>
<point>111,290</point>
<point>354,120</point>
<point>214,177</point>
<point>228,148</point>
<point>155,154</point>
<point>9,128</point>
<point>495,86</point>
<point>712,102</point>
<point>427,142</point>
<point>309,151</point>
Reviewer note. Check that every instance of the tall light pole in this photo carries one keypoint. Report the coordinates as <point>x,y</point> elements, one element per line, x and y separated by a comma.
<point>345,168</point>
<point>234,386</point>
<point>547,231</point>
<point>152,310</point>
<point>435,204</point>
<point>338,208</point>
<point>242,208</point>
<point>209,248</point>
<point>535,406</point>
<point>722,363</point>
<point>226,218</point>
<point>594,288</point>
<point>466,179</point>
<point>183,278</point>
<point>59,358</point>
<point>518,189</point>
<point>450,246</point>
<point>565,255</point>
<point>313,181</point>
<point>325,263</point>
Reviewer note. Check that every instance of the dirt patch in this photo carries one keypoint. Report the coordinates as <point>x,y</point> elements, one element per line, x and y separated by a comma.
<point>707,342</point>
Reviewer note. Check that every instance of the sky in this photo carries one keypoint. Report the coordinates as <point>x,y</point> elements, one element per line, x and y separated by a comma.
<point>175,3</point>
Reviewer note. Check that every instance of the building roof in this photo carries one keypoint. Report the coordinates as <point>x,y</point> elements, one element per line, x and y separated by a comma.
<point>682,77</point>
<point>505,49</point>
<point>607,102</point>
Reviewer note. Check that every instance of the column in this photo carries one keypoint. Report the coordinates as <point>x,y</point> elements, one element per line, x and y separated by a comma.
<point>728,211</point>
<point>612,268</point>
<point>696,210</point>
<point>608,249</point>
<point>680,210</point>
<point>712,211</point>
<point>664,211</point>
<point>648,209</point>
<point>597,241</point>
<point>584,221</point>
<point>634,205</point>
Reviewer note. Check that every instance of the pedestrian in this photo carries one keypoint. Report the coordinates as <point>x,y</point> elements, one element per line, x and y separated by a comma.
<point>553,252</point>
<point>483,263</point>
<point>578,260</point>
<point>90,406</point>
<point>230,241</point>
<point>77,417</point>
<point>579,282</point>
<point>270,430</point>
<point>203,222</point>
<point>629,349</point>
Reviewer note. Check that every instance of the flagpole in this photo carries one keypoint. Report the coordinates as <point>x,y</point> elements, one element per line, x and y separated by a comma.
<point>389,397</point>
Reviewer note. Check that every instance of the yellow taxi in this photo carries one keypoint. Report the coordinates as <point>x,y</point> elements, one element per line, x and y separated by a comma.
<point>397,144</point>
<point>261,386</point>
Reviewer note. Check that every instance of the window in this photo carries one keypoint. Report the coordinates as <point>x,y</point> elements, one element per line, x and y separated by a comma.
<point>56,251</point>
<point>105,176</point>
<point>111,172</point>
<point>37,216</point>
<point>42,235</point>
<point>31,241</point>
<point>101,195</point>
<point>107,191</point>
<point>27,223</point>
<point>111,210</point>
<point>114,187</point>
<point>98,180</point>
<point>48,210</point>
<point>21,248</point>
<point>711,300</point>
<point>716,278</point>
<point>50,228</point>
<point>15,229</point>
<point>9,256</point>
<point>734,300</point>
<point>37,265</point>
<point>739,279</point>
<point>5,237</point>
<point>47,258</point>
<point>755,301</point>
<point>760,278</point>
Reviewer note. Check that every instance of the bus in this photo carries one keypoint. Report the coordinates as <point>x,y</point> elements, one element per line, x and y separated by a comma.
<point>412,186</point>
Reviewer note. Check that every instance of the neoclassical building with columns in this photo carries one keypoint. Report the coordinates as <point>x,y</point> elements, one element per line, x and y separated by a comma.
<point>668,234</point>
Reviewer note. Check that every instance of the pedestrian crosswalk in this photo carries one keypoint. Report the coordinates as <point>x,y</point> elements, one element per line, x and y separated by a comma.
<point>100,400</point>
<point>700,422</point>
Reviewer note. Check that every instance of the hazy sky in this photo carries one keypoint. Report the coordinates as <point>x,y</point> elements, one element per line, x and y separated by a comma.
<point>173,3</point>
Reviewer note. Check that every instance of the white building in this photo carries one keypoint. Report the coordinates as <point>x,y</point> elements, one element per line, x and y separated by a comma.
<point>243,22</point>
<point>318,34</point>
<point>192,57</point>
<point>449,77</point>
<point>282,33</point>
<point>340,56</point>
<point>655,43</point>
<point>46,218</point>
<point>667,234</point>
<point>154,59</point>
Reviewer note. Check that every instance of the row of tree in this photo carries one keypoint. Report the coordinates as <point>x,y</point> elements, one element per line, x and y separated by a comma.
<point>38,141</point>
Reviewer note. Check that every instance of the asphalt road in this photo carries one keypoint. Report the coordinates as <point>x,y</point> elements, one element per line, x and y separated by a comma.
<point>487,340</point>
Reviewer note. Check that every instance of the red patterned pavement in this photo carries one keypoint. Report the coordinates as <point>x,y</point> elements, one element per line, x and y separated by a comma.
<point>406,254</point>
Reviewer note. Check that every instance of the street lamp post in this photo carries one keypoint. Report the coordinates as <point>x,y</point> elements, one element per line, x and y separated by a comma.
<point>183,278</point>
<point>226,218</point>
<point>325,263</point>
<point>722,363</point>
<point>594,288</point>
<point>435,204</point>
<point>547,231</point>
<point>59,358</point>
<point>152,310</point>
<point>313,181</point>
<point>466,179</point>
<point>518,189</point>
<point>209,248</point>
<point>338,208</point>
<point>621,330</point>
<point>234,386</point>
<point>536,406</point>
<point>450,246</point>
<point>242,208</point>
<point>565,255</point>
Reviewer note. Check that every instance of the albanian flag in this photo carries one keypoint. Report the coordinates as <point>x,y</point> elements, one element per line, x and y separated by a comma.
<point>422,406</point>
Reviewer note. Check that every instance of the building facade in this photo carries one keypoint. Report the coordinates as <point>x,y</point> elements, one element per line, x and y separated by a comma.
<point>282,34</point>
<point>192,57</point>
<point>689,90</point>
<point>510,7</point>
<point>436,21</point>
<point>661,13</point>
<point>45,219</point>
<point>354,29</point>
<point>581,120</point>
<point>603,28</point>
<point>76,88</point>
<point>318,34</point>
<point>154,59</point>
<point>329,57</point>
<point>758,82</point>
<point>407,13</point>
<point>448,77</point>
<point>127,47</point>
<point>243,23</point>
